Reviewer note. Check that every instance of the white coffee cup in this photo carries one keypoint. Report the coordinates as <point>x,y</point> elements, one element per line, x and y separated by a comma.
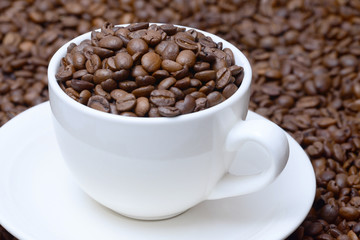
<point>156,168</point>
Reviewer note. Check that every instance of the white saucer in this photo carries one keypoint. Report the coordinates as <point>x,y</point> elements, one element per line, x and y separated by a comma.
<point>39,199</point>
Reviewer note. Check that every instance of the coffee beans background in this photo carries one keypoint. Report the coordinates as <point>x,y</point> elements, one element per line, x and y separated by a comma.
<point>305,56</point>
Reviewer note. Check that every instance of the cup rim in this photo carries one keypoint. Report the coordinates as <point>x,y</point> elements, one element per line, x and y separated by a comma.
<point>54,87</point>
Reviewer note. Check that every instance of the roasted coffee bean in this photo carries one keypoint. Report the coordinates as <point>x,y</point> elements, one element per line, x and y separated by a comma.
<point>128,85</point>
<point>125,102</point>
<point>206,75</point>
<point>171,66</point>
<point>123,60</point>
<point>168,50</point>
<point>138,70</point>
<point>142,106</point>
<point>154,112</point>
<point>84,96</point>
<point>167,111</point>
<point>160,74</point>
<point>78,60</point>
<point>111,42</point>
<point>167,83</point>
<point>200,104</point>
<point>183,83</point>
<point>143,91</point>
<point>151,62</point>
<point>93,63</point>
<point>137,45</point>
<point>117,93</point>
<point>187,105</point>
<point>186,57</point>
<point>222,78</point>
<point>80,85</point>
<point>65,73</point>
<point>102,74</point>
<point>214,98</point>
<point>144,80</point>
<point>100,91</point>
<point>162,97</point>
<point>201,66</point>
<point>99,103</point>
<point>108,85</point>
<point>229,90</point>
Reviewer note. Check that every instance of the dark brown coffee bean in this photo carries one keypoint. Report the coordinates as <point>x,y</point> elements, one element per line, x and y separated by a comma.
<point>100,91</point>
<point>93,63</point>
<point>329,212</point>
<point>349,213</point>
<point>168,50</point>
<point>186,57</point>
<point>84,97</point>
<point>160,74</point>
<point>201,66</point>
<point>137,26</point>
<point>137,45</point>
<point>195,83</point>
<point>197,94</point>
<point>162,97</point>
<point>117,93</point>
<point>229,90</point>
<point>167,111</point>
<point>78,60</point>
<point>102,52</point>
<point>208,88</point>
<point>138,70</point>
<point>214,98</point>
<point>80,85</point>
<point>187,105</point>
<point>145,80</point>
<point>121,75</point>
<point>154,112</point>
<point>123,60</point>
<point>79,74</point>
<point>181,73</point>
<point>99,103</point>
<point>171,66</point>
<point>235,70</point>
<point>142,106</point>
<point>206,75</point>
<point>207,42</point>
<point>111,42</point>
<point>187,44</point>
<point>125,102</point>
<point>152,37</point>
<point>143,91</point>
<point>169,29</point>
<point>109,85</point>
<point>167,83</point>
<point>151,62</point>
<point>183,83</point>
<point>222,78</point>
<point>201,104</point>
<point>65,73</point>
<point>102,74</point>
<point>178,93</point>
<point>128,86</point>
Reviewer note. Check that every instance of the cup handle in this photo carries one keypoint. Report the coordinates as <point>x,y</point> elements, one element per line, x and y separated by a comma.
<point>268,135</point>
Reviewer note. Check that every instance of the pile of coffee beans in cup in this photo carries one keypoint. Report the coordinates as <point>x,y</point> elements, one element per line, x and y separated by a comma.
<point>149,70</point>
<point>305,59</point>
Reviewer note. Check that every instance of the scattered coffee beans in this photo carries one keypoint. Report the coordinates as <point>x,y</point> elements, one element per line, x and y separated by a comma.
<point>145,67</point>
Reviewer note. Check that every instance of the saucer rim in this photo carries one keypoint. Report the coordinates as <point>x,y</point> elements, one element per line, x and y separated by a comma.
<point>10,226</point>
